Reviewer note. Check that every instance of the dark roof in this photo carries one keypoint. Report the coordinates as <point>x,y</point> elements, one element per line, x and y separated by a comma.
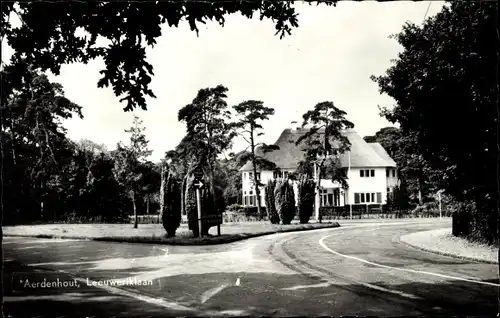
<point>289,155</point>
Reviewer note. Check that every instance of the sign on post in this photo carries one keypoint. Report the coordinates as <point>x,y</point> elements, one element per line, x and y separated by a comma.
<point>198,174</point>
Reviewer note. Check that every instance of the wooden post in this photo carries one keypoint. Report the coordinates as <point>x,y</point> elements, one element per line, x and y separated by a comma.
<point>198,203</point>
<point>218,226</point>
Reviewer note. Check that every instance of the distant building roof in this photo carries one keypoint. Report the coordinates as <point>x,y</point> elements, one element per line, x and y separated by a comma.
<point>289,155</point>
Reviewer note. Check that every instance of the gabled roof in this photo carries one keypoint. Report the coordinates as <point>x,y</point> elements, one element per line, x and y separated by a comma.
<point>379,149</point>
<point>289,155</point>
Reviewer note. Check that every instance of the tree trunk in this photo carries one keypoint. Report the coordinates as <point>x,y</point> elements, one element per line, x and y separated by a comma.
<point>212,188</point>
<point>162,195</point>
<point>135,210</point>
<point>318,186</point>
<point>183,195</point>
<point>41,200</point>
<point>420,189</point>
<point>255,179</point>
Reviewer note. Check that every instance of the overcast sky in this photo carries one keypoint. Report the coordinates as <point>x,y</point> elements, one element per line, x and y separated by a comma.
<point>330,57</point>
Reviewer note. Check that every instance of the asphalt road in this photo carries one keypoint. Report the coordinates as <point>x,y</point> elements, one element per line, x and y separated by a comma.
<point>357,269</point>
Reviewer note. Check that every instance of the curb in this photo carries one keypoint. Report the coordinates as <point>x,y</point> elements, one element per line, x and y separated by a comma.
<point>193,242</point>
<point>466,258</point>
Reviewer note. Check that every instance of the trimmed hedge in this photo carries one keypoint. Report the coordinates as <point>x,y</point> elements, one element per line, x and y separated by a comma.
<point>305,204</point>
<point>207,208</point>
<point>170,200</point>
<point>284,198</point>
<point>272,213</point>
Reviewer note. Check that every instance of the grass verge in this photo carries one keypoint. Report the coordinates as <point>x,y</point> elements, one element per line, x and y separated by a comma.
<point>442,242</point>
<point>231,233</point>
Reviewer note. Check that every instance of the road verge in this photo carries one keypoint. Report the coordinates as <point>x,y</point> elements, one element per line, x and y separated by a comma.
<point>245,232</point>
<point>442,242</point>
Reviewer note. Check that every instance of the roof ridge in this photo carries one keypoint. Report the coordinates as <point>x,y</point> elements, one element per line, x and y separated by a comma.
<point>362,154</point>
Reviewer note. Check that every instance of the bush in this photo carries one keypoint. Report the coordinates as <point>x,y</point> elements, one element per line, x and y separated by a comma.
<point>461,218</point>
<point>235,207</point>
<point>170,200</point>
<point>426,209</point>
<point>306,189</point>
<point>272,214</point>
<point>285,201</point>
<point>207,208</point>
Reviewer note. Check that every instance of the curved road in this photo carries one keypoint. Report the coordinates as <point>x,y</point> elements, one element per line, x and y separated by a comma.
<point>360,268</point>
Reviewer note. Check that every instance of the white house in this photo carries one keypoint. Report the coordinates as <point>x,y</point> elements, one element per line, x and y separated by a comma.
<point>371,172</point>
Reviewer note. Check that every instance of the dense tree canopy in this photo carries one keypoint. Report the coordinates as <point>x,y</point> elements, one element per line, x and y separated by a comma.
<point>445,86</point>
<point>421,180</point>
<point>324,140</point>
<point>47,37</point>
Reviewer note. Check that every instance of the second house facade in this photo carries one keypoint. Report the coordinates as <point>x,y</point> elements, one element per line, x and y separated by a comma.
<point>371,172</point>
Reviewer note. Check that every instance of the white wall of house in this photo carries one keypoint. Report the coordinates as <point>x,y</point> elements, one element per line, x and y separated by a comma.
<point>367,184</point>
<point>378,183</point>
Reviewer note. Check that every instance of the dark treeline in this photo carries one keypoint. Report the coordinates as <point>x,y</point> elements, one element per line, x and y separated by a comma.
<point>444,84</point>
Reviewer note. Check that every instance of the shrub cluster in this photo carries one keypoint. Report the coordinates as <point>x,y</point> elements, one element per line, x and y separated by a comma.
<point>305,204</point>
<point>284,199</point>
<point>170,201</point>
<point>247,211</point>
<point>272,213</point>
<point>207,208</point>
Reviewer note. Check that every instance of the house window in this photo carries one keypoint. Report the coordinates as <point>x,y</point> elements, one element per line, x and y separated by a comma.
<point>250,175</point>
<point>258,175</point>
<point>322,197</point>
<point>277,174</point>
<point>367,197</point>
<point>387,173</point>
<point>367,173</point>
<point>330,199</point>
<point>394,173</point>
<point>249,199</point>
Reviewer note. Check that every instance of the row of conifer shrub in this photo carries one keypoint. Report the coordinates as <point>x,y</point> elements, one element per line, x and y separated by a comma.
<point>280,201</point>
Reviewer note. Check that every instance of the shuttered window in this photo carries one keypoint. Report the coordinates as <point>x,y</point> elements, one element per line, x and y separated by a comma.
<point>379,197</point>
<point>356,198</point>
